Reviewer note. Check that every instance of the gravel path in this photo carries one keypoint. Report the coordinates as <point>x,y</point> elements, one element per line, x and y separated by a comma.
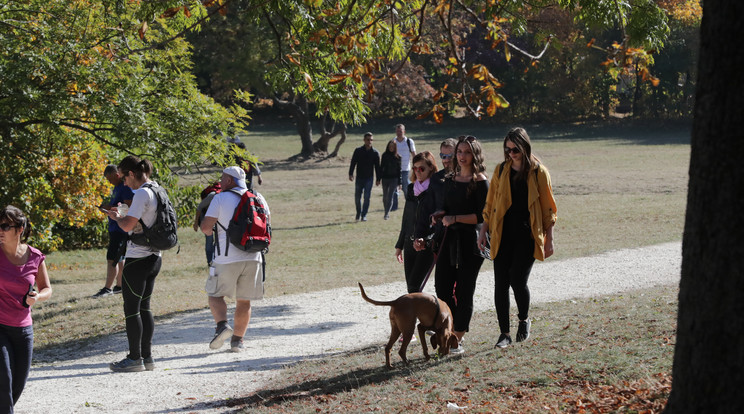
<point>191,377</point>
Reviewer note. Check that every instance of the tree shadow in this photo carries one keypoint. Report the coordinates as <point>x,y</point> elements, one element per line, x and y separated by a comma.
<point>323,386</point>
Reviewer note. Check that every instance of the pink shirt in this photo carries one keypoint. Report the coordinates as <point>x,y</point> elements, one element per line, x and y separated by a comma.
<point>14,283</point>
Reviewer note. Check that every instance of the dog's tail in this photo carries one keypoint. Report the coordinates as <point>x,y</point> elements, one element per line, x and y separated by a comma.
<point>372,301</point>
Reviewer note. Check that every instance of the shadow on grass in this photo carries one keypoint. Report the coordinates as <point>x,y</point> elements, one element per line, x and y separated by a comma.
<point>324,386</point>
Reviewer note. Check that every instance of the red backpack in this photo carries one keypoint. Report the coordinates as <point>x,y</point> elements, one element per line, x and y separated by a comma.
<point>249,228</point>
<point>215,187</point>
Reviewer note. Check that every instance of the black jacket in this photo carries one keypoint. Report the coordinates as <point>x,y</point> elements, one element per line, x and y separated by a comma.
<point>367,163</point>
<point>416,220</point>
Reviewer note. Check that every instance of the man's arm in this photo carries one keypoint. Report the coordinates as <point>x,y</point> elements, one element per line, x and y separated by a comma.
<point>207,224</point>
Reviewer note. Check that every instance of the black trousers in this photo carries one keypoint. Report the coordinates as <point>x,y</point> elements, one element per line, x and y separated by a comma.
<point>138,282</point>
<point>511,268</point>
<point>416,265</point>
<point>457,271</point>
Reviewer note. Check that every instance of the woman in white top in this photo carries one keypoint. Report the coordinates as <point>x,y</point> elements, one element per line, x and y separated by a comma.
<point>141,267</point>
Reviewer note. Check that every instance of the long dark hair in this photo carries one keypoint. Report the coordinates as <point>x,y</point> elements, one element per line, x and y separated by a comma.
<point>136,165</point>
<point>518,136</point>
<point>14,216</point>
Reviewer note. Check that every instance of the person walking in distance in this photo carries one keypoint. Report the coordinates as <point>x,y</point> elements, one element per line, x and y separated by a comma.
<point>121,197</point>
<point>390,172</point>
<point>366,160</point>
<point>519,215</point>
<point>406,151</point>
<point>234,272</point>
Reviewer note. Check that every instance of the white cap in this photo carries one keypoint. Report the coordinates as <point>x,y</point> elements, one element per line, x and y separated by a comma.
<point>236,173</point>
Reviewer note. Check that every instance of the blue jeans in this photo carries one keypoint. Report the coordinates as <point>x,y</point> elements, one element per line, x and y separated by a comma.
<point>362,185</point>
<point>16,350</point>
<point>404,182</point>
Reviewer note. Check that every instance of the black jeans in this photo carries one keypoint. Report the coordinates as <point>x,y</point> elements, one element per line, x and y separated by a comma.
<point>511,267</point>
<point>138,282</point>
<point>457,271</point>
<point>16,350</point>
<point>416,265</point>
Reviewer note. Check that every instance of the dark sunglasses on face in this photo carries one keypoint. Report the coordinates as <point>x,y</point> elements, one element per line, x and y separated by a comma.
<point>445,156</point>
<point>514,150</point>
<point>6,226</point>
<point>419,169</point>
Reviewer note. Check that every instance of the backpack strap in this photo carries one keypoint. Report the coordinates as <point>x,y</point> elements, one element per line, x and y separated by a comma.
<point>408,141</point>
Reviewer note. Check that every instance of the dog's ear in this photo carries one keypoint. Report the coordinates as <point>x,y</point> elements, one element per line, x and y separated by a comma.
<point>434,342</point>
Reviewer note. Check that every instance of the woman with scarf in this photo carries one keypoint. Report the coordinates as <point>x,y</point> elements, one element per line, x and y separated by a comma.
<point>415,229</point>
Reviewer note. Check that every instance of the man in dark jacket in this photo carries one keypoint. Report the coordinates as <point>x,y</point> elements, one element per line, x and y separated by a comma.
<point>367,162</point>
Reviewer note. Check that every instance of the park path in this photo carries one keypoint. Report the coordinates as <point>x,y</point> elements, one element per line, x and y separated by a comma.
<point>192,378</point>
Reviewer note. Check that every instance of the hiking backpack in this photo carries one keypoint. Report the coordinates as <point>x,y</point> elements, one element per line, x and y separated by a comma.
<point>248,229</point>
<point>162,235</point>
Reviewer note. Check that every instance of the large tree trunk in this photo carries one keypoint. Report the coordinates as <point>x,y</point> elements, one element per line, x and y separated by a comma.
<point>299,109</point>
<point>326,135</point>
<point>708,373</point>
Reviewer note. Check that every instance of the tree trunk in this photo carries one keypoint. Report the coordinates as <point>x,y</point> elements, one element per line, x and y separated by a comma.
<point>326,135</point>
<point>339,143</point>
<point>708,372</point>
<point>299,109</point>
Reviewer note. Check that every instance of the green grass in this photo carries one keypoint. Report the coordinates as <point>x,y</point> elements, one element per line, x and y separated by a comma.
<point>616,187</point>
<point>607,354</point>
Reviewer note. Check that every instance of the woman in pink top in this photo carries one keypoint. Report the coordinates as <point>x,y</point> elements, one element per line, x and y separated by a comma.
<point>21,267</point>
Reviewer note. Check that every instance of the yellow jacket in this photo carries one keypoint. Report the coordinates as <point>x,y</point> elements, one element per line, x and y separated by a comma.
<point>539,199</point>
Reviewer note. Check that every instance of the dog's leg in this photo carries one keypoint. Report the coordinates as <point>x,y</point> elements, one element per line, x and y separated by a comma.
<point>407,334</point>
<point>394,335</point>
<point>422,339</point>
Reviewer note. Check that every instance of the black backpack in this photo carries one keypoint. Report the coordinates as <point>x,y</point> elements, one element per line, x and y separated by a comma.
<point>162,235</point>
<point>248,228</point>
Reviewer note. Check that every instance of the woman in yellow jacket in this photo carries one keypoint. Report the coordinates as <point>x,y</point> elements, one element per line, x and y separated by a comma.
<point>519,215</point>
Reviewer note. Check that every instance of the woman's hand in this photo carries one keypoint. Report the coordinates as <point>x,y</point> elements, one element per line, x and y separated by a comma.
<point>548,247</point>
<point>399,255</point>
<point>482,238</point>
<point>448,220</point>
<point>31,298</point>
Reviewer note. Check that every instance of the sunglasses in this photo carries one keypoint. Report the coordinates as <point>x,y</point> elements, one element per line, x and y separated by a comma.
<point>514,150</point>
<point>445,156</point>
<point>468,138</point>
<point>6,226</point>
<point>419,169</point>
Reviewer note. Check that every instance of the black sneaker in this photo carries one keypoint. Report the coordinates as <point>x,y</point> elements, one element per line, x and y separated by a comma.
<point>103,292</point>
<point>116,289</point>
<point>237,346</point>
<point>149,363</point>
<point>220,336</point>
<point>127,365</point>
<point>504,341</point>
<point>523,332</point>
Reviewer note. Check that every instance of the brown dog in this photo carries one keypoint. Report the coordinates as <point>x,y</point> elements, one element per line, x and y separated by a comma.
<point>433,314</point>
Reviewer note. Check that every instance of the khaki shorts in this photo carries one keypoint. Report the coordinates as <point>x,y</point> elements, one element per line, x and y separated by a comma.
<point>240,280</point>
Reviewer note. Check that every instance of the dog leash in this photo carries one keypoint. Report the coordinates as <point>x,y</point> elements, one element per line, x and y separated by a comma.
<point>434,262</point>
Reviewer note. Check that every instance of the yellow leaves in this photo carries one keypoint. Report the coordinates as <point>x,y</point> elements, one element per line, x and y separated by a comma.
<point>507,53</point>
<point>308,80</point>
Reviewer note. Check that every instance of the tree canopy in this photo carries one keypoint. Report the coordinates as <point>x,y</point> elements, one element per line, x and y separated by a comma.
<point>85,82</point>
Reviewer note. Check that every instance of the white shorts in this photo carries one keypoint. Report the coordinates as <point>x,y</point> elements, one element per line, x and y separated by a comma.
<point>240,280</point>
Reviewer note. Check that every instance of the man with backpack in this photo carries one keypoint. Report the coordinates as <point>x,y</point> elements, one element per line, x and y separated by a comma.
<point>237,268</point>
<point>406,150</point>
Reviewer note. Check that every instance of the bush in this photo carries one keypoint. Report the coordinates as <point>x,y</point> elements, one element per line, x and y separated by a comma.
<point>91,235</point>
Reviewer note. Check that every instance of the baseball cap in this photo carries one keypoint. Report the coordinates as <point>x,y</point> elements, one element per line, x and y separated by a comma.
<point>238,174</point>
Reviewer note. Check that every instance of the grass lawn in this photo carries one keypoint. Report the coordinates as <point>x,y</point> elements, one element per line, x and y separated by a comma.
<point>616,187</point>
